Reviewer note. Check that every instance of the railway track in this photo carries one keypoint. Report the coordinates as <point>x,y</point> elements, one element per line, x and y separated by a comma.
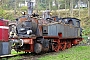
<point>11,55</point>
<point>26,56</point>
<point>8,56</point>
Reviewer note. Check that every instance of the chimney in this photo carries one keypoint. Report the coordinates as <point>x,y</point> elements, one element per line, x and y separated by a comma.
<point>30,8</point>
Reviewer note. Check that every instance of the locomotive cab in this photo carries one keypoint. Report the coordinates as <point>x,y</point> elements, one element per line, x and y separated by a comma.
<point>72,21</point>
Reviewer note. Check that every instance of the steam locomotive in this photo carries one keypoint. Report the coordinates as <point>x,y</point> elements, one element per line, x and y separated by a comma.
<point>36,34</point>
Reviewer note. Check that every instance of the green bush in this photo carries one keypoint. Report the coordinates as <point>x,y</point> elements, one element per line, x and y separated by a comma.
<point>24,8</point>
<point>1,12</point>
<point>6,15</point>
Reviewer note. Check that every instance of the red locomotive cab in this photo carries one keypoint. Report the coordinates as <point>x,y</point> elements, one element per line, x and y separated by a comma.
<point>4,30</point>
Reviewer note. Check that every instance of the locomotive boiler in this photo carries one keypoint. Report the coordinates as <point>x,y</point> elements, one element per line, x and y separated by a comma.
<point>36,34</point>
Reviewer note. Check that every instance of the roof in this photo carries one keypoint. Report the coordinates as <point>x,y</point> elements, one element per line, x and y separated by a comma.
<point>71,18</point>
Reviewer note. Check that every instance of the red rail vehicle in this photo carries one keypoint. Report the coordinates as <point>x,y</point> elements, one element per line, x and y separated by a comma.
<point>4,37</point>
<point>35,34</point>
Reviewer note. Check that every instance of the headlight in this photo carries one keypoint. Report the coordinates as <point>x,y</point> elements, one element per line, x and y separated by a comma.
<point>29,31</point>
<point>22,29</point>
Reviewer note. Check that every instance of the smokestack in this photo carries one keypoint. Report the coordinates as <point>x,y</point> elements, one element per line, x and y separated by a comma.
<point>30,8</point>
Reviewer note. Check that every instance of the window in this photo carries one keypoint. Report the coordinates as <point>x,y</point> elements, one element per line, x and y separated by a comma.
<point>77,24</point>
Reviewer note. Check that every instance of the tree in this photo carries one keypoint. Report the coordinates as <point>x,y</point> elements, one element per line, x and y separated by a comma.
<point>71,8</point>
<point>88,8</point>
<point>79,7</point>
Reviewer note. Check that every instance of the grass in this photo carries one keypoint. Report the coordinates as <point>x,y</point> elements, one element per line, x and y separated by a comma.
<point>15,58</point>
<point>75,53</point>
<point>14,52</point>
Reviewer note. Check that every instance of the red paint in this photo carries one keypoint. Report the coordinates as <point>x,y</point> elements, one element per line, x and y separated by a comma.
<point>60,34</point>
<point>63,45</point>
<point>28,41</point>
<point>75,42</point>
<point>31,43</point>
<point>50,37</point>
<point>56,46</point>
<point>4,36</point>
<point>3,22</point>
